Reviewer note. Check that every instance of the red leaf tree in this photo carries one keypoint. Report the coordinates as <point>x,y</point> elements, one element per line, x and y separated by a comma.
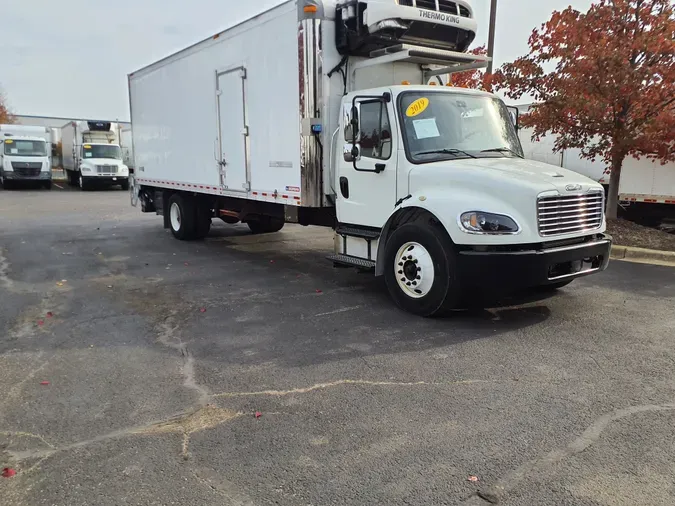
<point>5,116</point>
<point>610,90</point>
<point>476,78</point>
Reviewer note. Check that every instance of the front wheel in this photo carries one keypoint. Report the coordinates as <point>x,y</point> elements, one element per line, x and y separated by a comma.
<point>125,185</point>
<point>420,269</point>
<point>82,183</point>
<point>47,185</point>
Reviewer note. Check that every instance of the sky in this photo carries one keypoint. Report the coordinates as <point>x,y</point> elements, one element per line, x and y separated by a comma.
<point>70,58</point>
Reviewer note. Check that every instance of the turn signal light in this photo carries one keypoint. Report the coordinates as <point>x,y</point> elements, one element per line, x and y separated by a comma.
<point>405,83</point>
<point>310,9</point>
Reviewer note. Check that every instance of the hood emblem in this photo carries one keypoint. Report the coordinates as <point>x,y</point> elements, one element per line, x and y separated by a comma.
<point>573,187</point>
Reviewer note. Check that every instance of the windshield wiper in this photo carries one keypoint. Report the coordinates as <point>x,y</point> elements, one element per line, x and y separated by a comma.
<point>501,150</point>
<point>446,151</point>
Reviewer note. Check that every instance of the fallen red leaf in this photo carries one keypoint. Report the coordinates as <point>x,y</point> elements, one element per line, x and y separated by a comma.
<point>271,261</point>
<point>44,383</point>
<point>258,414</point>
<point>187,263</point>
<point>202,310</point>
<point>49,314</point>
<point>319,291</point>
<point>8,472</point>
<point>473,478</point>
<point>41,322</point>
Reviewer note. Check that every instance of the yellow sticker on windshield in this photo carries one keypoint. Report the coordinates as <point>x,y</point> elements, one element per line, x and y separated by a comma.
<point>417,107</point>
<point>9,141</point>
<point>87,146</point>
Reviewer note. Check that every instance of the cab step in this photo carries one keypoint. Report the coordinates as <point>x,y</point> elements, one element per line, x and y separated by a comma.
<point>352,231</point>
<point>351,261</point>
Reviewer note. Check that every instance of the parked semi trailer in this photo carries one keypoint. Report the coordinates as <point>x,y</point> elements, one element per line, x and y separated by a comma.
<point>127,145</point>
<point>25,155</point>
<point>318,113</point>
<point>92,156</point>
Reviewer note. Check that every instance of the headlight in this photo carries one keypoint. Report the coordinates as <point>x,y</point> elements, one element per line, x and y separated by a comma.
<point>85,169</point>
<point>488,223</point>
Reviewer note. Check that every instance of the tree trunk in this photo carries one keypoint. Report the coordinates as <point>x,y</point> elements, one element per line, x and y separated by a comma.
<point>614,180</point>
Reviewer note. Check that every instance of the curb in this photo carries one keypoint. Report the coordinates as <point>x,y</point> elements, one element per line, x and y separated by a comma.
<point>643,255</point>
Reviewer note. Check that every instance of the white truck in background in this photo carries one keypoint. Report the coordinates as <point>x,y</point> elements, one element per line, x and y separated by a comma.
<point>25,155</point>
<point>425,185</point>
<point>92,156</point>
<point>127,145</point>
<point>647,188</point>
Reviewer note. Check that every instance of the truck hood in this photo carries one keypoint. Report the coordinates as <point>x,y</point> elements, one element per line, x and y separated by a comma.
<point>501,175</point>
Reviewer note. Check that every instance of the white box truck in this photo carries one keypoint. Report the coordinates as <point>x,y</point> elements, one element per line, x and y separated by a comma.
<point>319,113</point>
<point>25,155</point>
<point>92,156</point>
<point>127,145</point>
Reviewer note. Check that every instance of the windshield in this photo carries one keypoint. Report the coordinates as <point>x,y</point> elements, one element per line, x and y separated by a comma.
<point>18,147</point>
<point>102,151</point>
<point>442,125</point>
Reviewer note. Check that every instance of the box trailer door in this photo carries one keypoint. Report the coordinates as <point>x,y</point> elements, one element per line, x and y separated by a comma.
<point>233,130</point>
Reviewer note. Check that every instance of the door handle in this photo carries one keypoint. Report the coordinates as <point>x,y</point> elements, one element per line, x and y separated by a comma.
<point>379,167</point>
<point>344,187</point>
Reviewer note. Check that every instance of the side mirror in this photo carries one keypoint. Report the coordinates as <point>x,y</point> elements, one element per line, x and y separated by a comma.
<point>514,113</point>
<point>351,121</point>
<point>351,152</point>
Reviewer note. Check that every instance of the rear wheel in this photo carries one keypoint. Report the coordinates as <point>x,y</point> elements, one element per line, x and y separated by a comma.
<point>266,225</point>
<point>203,221</point>
<point>182,217</point>
<point>420,269</point>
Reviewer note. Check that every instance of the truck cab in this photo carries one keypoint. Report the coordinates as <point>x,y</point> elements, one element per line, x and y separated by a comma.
<point>435,194</point>
<point>25,157</point>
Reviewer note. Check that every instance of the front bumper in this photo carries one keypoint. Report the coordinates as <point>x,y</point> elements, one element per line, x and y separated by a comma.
<point>105,180</point>
<point>512,270</point>
<point>19,176</point>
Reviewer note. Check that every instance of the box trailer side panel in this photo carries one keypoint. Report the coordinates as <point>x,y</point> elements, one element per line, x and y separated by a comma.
<point>234,100</point>
<point>68,146</point>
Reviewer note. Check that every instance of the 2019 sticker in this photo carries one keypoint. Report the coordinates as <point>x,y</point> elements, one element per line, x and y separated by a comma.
<point>417,107</point>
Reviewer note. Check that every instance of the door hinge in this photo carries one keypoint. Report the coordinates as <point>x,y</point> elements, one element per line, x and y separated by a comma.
<point>242,73</point>
<point>219,93</point>
<point>246,186</point>
<point>244,131</point>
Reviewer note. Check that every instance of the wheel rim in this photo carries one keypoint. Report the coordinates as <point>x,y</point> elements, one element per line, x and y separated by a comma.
<point>81,181</point>
<point>175,217</point>
<point>414,270</point>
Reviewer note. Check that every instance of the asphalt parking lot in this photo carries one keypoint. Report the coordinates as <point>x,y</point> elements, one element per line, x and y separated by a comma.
<point>158,354</point>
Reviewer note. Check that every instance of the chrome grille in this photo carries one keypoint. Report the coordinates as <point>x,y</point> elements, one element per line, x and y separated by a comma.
<point>566,214</point>
<point>106,169</point>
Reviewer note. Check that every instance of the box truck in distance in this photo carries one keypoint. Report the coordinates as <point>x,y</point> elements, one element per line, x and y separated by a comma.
<point>25,155</point>
<point>319,112</point>
<point>92,155</point>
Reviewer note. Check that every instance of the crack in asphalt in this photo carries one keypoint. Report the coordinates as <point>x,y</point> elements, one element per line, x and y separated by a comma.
<point>496,492</point>
<point>323,386</point>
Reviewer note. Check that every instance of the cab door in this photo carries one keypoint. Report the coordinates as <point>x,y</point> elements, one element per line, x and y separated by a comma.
<point>366,167</point>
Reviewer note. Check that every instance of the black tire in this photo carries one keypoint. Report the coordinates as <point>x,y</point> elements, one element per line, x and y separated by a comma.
<point>72,177</point>
<point>7,185</point>
<point>203,221</point>
<point>47,185</point>
<point>444,292</point>
<point>125,185</point>
<point>266,225</point>
<point>184,227</point>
